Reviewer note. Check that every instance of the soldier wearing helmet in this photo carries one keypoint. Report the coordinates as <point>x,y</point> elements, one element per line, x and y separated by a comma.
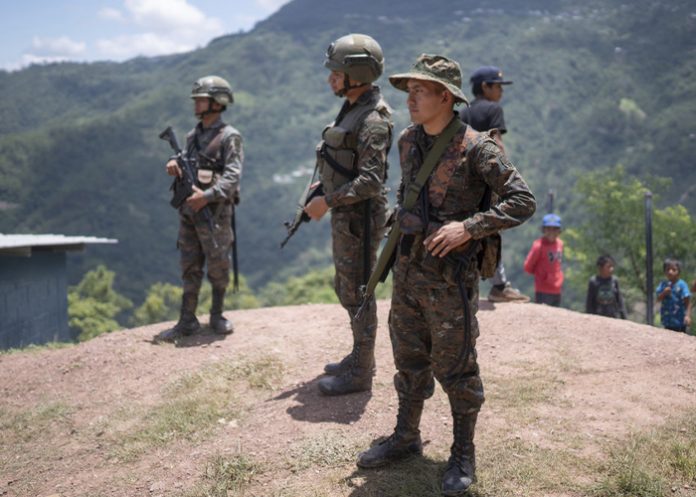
<point>352,166</point>
<point>216,149</point>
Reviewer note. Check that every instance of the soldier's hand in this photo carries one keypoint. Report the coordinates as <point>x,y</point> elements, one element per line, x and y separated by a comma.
<point>447,238</point>
<point>173,168</point>
<point>316,208</point>
<point>197,200</point>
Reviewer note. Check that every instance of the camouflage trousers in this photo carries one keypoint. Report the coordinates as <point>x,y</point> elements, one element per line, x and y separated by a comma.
<point>347,233</point>
<point>426,327</point>
<point>198,247</point>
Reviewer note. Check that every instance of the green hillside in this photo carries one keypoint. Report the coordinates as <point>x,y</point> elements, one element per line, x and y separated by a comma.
<point>595,85</point>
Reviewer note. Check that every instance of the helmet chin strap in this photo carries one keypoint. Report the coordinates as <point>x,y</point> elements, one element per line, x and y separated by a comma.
<point>347,86</point>
<point>208,111</point>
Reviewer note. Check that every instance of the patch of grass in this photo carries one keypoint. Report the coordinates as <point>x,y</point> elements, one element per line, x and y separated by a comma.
<point>328,450</point>
<point>196,402</point>
<point>225,477</point>
<point>27,425</point>
<point>514,464</point>
<point>530,387</point>
<point>190,409</point>
<point>653,464</point>
<point>262,374</point>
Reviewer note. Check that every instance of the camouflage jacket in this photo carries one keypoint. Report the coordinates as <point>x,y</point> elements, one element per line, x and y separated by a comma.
<point>374,137</point>
<point>456,187</point>
<point>228,160</point>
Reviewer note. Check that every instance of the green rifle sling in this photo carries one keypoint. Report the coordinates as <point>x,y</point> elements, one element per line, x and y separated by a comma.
<point>410,198</point>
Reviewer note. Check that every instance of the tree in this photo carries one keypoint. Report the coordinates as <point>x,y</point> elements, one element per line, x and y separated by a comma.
<point>93,305</point>
<point>315,287</point>
<point>613,204</point>
<point>163,302</point>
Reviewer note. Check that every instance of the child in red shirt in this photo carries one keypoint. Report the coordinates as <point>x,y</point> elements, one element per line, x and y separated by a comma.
<point>544,262</point>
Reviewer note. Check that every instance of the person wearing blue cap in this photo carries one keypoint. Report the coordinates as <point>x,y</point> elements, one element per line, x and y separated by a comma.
<point>544,262</point>
<point>485,113</point>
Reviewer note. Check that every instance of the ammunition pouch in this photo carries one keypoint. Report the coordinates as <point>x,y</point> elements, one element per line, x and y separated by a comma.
<point>205,177</point>
<point>337,151</point>
<point>489,255</point>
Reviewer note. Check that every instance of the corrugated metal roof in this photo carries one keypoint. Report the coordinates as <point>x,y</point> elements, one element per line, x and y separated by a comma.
<point>23,244</point>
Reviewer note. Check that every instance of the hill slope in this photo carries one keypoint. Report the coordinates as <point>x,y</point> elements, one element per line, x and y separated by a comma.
<point>595,84</point>
<point>122,416</point>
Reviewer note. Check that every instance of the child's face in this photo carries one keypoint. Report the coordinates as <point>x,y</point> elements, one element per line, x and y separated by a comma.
<point>672,273</point>
<point>551,233</point>
<point>606,270</point>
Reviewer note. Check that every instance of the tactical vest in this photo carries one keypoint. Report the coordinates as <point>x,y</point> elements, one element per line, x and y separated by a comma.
<point>337,153</point>
<point>208,161</point>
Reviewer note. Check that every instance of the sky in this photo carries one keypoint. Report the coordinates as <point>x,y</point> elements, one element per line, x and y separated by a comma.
<point>36,31</point>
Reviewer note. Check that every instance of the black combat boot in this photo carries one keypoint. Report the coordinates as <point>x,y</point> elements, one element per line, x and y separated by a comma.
<point>403,443</point>
<point>218,323</point>
<point>357,377</point>
<point>336,368</point>
<point>461,467</point>
<point>188,323</point>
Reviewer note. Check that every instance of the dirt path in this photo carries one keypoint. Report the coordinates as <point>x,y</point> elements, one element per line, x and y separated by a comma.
<point>554,380</point>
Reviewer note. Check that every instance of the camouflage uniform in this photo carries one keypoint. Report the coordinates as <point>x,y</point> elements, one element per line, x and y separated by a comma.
<point>368,123</point>
<point>196,242</point>
<point>427,318</point>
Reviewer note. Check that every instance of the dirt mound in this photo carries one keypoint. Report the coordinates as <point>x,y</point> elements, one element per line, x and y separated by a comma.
<point>122,416</point>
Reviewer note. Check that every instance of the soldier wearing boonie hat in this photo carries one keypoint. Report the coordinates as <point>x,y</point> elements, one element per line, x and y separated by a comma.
<point>433,326</point>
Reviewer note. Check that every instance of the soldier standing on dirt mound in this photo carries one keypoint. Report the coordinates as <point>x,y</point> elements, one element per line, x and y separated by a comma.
<point>352,165</point>
<point>432,325</point>
<point>216,150</point>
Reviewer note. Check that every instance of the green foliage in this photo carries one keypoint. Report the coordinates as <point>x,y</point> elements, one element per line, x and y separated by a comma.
<point>93,304</point>
<point>315,287</point>
<point>614,206</point>
<point>163,301</point>
<point>596,84</point>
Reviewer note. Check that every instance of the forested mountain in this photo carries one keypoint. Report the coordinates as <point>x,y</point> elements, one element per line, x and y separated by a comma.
<point>595,84</point>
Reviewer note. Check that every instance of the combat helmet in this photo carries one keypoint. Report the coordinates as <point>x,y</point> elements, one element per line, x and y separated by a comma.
<point>213,87</point>
<point>356,55</point>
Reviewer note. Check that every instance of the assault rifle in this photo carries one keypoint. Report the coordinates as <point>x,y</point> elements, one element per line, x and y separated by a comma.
<point>312,190</point>
<point>183,186</point>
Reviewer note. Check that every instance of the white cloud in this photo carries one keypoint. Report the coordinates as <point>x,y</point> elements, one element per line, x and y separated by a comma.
<point>171,26</point>
<point>147,44</point>
<point>111,14</point>
<point>58,47</point>
<point>47,50</point>
<point>166,15</point>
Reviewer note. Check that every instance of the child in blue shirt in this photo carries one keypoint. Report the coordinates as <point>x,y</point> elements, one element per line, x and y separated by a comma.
<point>674,295</point>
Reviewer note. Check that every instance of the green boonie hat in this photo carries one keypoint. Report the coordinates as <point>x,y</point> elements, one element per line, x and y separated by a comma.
<point>436,68</point>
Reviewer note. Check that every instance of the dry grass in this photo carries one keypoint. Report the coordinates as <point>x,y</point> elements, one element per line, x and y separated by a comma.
<point>194,404</point>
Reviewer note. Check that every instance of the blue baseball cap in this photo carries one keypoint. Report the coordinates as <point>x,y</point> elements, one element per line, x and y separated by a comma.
<point>551,221</point>
<point>488,74</point>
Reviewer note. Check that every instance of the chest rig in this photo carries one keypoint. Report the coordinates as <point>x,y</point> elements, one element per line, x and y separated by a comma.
<point>337,153</point>
<point>208,161</point>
